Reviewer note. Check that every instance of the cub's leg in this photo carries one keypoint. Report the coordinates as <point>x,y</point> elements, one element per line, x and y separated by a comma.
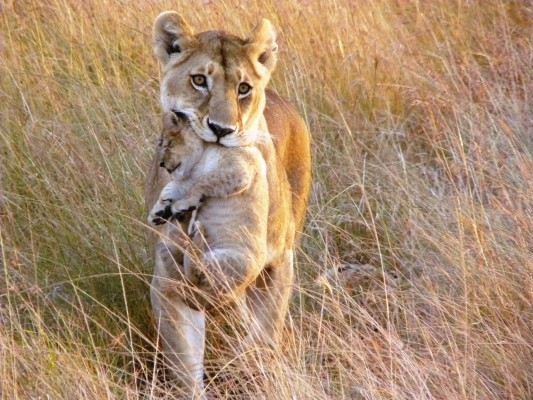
<point>220,275</point>
<point>268,300</point>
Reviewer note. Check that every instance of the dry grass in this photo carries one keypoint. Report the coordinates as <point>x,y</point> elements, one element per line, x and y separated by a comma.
<point>421,116</point>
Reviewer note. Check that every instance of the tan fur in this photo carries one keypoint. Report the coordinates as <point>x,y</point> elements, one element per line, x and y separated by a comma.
<point>228,188</point>
<point>2,196</point>
<point>226,62</point>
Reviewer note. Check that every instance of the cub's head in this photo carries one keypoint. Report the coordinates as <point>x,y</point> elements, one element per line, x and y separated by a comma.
<point>179,147</point>
<point>216,80</point>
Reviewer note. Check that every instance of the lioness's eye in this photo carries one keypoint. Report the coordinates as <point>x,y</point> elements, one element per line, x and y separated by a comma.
<point>199,80</point>
<point>244,88</point>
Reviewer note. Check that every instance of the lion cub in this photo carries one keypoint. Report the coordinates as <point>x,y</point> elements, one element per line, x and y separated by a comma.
<point>228,188</point>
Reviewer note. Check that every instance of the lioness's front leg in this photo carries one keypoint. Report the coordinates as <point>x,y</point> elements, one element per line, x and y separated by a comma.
<point>182,334</point>
<point>181,329</point>
<point>268,300</point>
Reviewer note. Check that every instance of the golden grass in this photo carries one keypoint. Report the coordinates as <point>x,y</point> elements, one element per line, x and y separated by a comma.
<point>421,120</point>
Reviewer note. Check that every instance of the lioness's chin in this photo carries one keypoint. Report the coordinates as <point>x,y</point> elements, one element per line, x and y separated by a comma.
<point>206,137</point>
<point>236,141</point>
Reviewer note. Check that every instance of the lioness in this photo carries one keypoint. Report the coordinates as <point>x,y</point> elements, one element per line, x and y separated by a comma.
<point>230,188</point>
<point>218,82</point>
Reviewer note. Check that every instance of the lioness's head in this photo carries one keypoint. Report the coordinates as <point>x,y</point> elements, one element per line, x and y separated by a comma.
<point>179,147</point>
<point>215,79</point>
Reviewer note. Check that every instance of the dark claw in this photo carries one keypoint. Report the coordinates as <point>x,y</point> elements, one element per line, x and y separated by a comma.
<point>167,213</point>
<point>180,215</point>
<point>163,215</point>
<point>159,221</point>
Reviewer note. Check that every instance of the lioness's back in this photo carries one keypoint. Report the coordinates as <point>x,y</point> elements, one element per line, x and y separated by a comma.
<point>291,141</point>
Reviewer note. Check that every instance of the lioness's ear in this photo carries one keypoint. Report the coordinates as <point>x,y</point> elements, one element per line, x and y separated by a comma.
<point>262,44</point>
<point>171,34</point>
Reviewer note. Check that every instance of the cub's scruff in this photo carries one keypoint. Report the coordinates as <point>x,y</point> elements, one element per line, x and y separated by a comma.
<point>229,188</point>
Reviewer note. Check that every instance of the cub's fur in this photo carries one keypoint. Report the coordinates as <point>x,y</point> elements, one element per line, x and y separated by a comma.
<point>229,189</point>
<point>217,81</point>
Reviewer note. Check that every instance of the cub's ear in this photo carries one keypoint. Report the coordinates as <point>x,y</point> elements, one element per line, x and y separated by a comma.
<point>171,121</point>
<point>262,45</point>
<point>171,35</point>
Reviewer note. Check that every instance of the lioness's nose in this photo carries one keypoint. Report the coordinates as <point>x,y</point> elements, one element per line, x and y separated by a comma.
<point>219,131</point>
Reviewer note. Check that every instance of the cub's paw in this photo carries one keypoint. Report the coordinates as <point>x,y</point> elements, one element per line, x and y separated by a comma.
<point>160,213</point>
<point>197,233</point>
<point>181,207</point>
<point>198,278</point>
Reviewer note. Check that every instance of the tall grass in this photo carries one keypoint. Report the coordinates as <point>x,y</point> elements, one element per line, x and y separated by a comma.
<point>421,118</point>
